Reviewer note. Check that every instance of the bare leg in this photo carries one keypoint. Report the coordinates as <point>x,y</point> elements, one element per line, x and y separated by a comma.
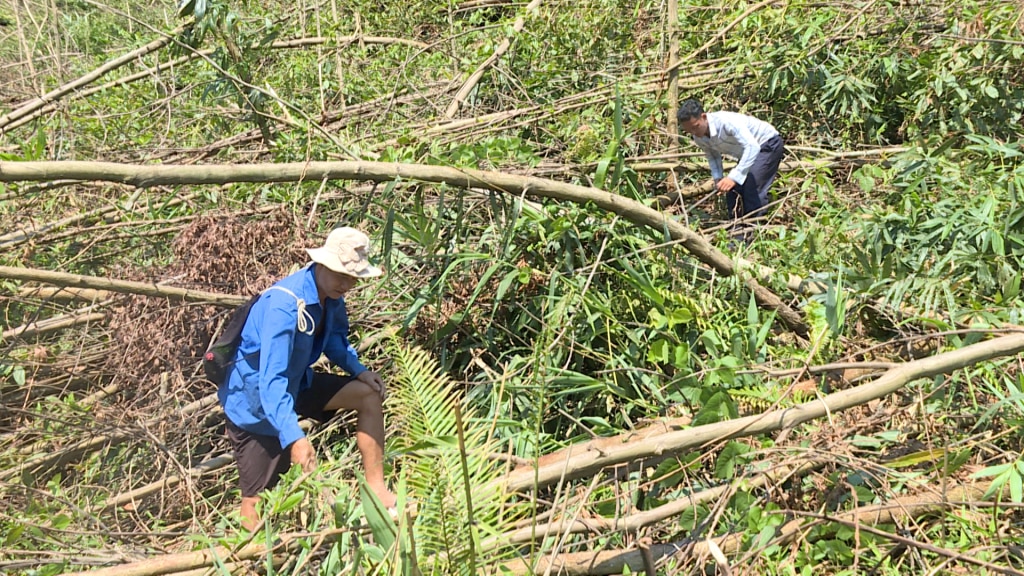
<point>366,402</point>
<point>249,516</point>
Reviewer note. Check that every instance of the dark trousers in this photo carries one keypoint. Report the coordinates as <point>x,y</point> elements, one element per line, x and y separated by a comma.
<point>754,190</point>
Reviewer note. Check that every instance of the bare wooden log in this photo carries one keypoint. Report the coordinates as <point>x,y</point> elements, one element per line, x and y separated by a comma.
<point>590,463</point>
<point>120,286</point>
<point>381,172</point>
<point>471,82</point>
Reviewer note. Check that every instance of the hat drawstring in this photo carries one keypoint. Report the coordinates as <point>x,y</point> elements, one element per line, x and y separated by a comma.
<point>305,322</point>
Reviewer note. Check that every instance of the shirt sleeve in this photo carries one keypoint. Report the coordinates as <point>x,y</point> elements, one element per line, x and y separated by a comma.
<point>715,162</point>
<point>338,349</point>
<point>751,149</point>
<point>277,331</point>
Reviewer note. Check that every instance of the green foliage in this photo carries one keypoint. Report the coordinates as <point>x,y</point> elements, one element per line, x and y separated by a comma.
<point>546,323</point>
<point>951,250</point>
<point>447,470</point>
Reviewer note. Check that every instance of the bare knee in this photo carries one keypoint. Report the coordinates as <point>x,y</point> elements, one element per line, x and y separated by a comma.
<point>358,396</point>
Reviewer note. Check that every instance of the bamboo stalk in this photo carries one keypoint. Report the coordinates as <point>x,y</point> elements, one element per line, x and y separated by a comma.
<point>172,563</point>
<point>615,561</point>
<point>665,445</point>
<point>645,518</point>
<point>120,286</point>
<point>672,123</point>
<point>73,451</point>
<point>63,293</point>
<point>56,93</point>
<point>51,325</point>
<point>635,212</point>
<point>169,482</point>
<point>23,234</point>
<point>477,74</point>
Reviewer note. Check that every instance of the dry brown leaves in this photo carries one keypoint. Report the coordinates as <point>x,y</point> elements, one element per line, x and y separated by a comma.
<point>158,343</point>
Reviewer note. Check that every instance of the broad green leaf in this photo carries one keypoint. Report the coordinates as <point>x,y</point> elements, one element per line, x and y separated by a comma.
<point>377,517</point>
<point>1016,487</point>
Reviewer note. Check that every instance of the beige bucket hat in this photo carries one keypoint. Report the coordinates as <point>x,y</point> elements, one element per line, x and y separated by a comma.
<point>344,251</point>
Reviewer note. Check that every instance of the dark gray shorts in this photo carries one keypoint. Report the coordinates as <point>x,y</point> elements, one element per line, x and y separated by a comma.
<point>261,459</point>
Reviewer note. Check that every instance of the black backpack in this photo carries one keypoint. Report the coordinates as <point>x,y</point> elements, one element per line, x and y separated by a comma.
<point>220,355</point>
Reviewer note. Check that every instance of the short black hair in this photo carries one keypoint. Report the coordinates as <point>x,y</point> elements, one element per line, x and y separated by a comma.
<point>690,108</point>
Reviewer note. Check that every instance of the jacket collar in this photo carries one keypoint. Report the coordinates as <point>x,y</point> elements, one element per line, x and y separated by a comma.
<point>309,291</point>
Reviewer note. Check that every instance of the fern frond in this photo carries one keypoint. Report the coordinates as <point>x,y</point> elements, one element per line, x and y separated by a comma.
<point>424,402</point>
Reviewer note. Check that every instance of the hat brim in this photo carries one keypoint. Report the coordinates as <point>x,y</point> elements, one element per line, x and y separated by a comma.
<point>329,260</point>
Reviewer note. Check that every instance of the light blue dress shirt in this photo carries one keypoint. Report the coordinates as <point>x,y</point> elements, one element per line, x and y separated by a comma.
<point>737,135</point>
<point>273,362</point>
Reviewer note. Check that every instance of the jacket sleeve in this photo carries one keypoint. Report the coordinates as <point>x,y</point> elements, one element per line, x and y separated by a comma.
<point>277,339</point>
<point>338,349</point>
<point>751,149</point>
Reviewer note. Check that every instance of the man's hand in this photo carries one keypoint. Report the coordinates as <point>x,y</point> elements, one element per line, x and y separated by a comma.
<point>725,184</point>
<point>301,452</point>
<point>374,381</point>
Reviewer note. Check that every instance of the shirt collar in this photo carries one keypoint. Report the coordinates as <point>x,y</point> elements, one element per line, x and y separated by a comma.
<point>713,127</point>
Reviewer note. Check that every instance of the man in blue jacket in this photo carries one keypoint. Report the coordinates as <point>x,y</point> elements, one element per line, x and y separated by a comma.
<point>756,145</point>
<point>271,383</point>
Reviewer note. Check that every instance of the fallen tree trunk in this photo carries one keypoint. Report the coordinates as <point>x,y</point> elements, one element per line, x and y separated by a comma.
<point>615,561</point>
<point>120,286</point>
<point>52,325</point>
<point>629,209</point>
<point>663,445</point>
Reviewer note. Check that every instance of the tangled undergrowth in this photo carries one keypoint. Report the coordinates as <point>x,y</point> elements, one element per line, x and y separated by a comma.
<point>572,387</point>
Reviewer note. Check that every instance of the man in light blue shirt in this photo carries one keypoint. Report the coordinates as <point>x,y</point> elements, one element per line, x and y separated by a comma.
<point>271,382</point>
<point>755,144</point>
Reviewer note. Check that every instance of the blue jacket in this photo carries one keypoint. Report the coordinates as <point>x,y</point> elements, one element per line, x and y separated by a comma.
<point>273,362</point>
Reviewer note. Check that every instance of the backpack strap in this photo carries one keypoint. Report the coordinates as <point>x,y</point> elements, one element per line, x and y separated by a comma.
<point>306,324</point>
